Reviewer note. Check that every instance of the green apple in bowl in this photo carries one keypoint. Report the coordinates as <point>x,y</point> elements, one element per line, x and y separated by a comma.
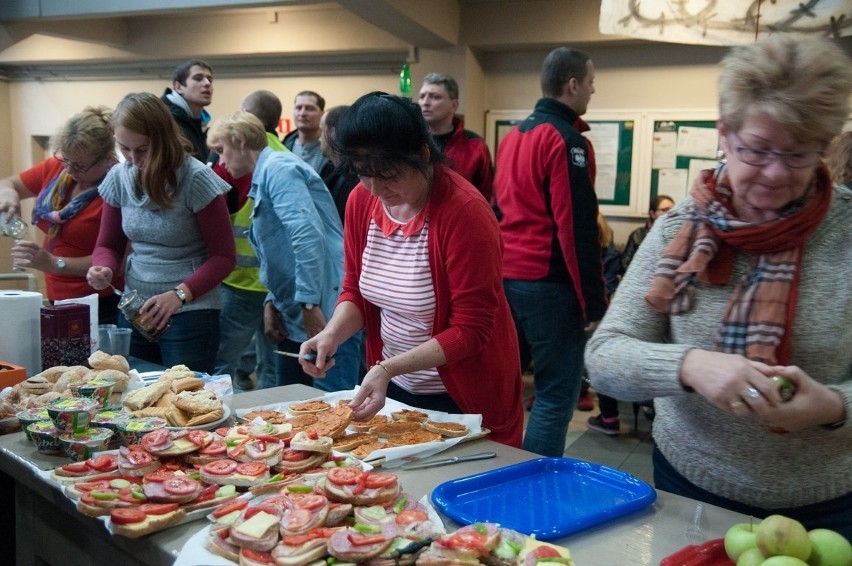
<point>751,557</point>
<point>829,548</point>
<point>783,561</point>
<point>778,535</point>
<point>739,538</point>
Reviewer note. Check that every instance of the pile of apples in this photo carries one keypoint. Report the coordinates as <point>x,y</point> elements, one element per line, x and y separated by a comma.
<point>782,541</point>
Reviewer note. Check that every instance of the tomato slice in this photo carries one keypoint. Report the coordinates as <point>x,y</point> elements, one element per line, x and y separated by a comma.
<point>291,455</point>
<point>344,476</point>
<point>127,515</point>
<point>198,437</point>
<point>159,508</point>
<point>207,493</point>
<point>126,494</point>
<point>378,480</point>
<point>251,468</point>
<point>159,475</point>
<point>222,467</point>
<point>544,552</point>
<point>299,540</point>
<point>364,540</point>
<point>156,438</point>
<point>138,458</point>
<point>238,449</point>
<point>76,468</point>
<point>411,516</point>
<point>257,556</point>
<point>309,501</point>
<point>468,540</point>
<point>229,507</point>
<point>91,485</point>
<point>252,511</point>
<point>180,485</point>
<point>215,448</point>
<point>103,463</point>
<point>222,431</point>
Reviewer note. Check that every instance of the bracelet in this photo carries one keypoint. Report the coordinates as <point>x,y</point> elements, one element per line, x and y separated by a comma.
<point>381,365</point>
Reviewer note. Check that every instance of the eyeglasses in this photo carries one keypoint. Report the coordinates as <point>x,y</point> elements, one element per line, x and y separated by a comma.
<point>791,159</point>
<point>71,166</point>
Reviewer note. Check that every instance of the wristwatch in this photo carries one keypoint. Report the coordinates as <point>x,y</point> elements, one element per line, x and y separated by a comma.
<point>60,263</point>
<point>181,294</point>
<point>308,306</point>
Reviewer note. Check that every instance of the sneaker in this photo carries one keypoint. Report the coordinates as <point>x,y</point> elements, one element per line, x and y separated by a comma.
<point>586,403</point>
<point>611,426</point>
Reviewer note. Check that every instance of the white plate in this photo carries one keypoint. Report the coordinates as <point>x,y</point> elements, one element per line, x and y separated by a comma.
<point>209,426</point>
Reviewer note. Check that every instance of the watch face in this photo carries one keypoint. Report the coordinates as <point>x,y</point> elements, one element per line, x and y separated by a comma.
<point>60,263</point>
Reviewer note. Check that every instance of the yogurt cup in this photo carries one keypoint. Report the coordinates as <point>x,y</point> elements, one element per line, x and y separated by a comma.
<point>46,437</point>
<point>110,419</point>
<point>30,416</point>
<point>82,445</point>
<point>72,415</point>
<point>97,389</point>
<point>132,430</point>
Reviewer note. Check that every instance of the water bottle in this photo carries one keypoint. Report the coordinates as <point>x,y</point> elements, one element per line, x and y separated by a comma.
<point>405,81</point>
<point>13,227</point>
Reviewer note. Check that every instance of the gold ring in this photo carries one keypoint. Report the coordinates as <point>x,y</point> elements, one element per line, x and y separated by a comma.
<point>736,404</point>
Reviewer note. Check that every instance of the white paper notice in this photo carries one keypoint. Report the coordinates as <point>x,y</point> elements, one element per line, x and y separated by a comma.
<point>664,150</point>
<point>697,142</point>
<point>673,183</point>
<point>604,138</point>
<point>696,166</point>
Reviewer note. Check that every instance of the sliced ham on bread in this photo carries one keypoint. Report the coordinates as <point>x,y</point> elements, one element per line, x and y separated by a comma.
<point>230,472</point>
<point>145,519</point>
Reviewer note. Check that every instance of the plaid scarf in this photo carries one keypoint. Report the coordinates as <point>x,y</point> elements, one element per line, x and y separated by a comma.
<point>51,205</point>
<point>758,320</point>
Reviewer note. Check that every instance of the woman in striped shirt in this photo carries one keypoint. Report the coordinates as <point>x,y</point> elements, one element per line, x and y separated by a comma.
<point>423,263</point>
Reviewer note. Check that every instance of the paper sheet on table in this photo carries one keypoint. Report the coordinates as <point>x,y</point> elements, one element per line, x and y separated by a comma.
<point>398,455</point>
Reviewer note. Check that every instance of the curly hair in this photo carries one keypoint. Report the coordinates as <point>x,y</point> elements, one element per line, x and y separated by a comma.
<point>88,132</point>
<point>239,130</point>
<point>802,84</point>
<point>838,158</point>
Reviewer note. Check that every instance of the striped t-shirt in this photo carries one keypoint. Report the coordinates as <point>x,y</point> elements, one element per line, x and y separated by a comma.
<point>396,278</point>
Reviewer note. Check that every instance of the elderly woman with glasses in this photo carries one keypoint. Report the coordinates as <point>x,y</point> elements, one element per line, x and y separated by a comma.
<point>67,207</point>
<point>735,313</point>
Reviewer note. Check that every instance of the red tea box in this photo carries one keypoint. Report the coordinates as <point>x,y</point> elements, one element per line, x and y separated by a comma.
<point>65,335</point>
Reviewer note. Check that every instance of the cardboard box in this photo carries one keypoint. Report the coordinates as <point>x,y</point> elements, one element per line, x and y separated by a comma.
<point>65,335</point>
<point>10,374</point>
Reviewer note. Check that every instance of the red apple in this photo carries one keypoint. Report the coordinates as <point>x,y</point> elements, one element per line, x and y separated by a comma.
<point>779,535</point>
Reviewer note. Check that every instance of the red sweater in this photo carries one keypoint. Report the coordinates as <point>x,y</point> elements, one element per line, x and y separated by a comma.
<point>467,154</point>
<point>472,324</point>
<point>76,237</point>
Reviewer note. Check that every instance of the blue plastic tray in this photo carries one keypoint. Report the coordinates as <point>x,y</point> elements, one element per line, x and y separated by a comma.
<point>547,497</point>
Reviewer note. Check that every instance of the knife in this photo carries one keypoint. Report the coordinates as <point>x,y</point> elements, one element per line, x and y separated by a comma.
<point>446,461</point>
<point>309,357</point>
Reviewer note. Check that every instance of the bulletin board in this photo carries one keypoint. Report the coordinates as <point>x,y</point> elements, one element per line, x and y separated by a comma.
<point>614,137</point>
<point>681,146</point>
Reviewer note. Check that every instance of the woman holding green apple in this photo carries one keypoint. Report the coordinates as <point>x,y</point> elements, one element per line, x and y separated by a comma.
<point>745,281</point>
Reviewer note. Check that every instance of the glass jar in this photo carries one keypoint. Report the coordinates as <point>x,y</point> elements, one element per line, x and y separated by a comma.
<point>130,304</point>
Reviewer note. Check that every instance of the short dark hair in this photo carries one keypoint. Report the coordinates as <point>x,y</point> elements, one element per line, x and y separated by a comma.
<point>561,65</point>
<point>320,100</point>
<point>332,117</point>
<point>381,134</point>
<point>266,106</point>
<point>181,72</point>
<point>658,200</point>
<point>446,81</point>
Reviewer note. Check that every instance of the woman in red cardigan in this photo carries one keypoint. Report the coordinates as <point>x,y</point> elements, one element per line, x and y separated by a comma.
<point>423,263</point>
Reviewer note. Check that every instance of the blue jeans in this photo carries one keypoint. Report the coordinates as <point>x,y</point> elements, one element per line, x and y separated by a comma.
<point>834,514</point>
<point>241,319</point>
<point>548,317</point>
<point>345,374</point>
<point>192,341</point>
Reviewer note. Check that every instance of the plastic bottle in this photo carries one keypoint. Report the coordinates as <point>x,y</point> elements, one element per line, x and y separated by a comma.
<point>405,81</point>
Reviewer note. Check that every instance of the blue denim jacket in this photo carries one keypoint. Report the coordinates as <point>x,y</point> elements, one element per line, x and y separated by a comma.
<point>297,235</point>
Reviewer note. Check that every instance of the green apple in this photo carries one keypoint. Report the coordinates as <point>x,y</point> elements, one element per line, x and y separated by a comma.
<point>783,561</point>
<point>738,539</point>
<point>779,535</point>
<point>751,557</point>
<point>829,548</point>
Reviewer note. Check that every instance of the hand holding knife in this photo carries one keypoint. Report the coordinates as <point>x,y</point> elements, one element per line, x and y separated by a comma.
<point>312,357</point>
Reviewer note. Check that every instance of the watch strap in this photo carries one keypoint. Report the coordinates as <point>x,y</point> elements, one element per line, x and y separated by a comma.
<point>181,294</point>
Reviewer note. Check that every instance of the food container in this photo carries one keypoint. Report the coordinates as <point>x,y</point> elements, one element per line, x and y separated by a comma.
<point>82,445</point>
<point>45,436</point>
<point>110,419</point>
<point>132,430</point>
<point>97,389</point>
<point>72,415</point>
<point>30,416</point>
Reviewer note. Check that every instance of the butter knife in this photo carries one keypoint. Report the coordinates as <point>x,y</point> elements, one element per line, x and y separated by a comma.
<point>447,461</point>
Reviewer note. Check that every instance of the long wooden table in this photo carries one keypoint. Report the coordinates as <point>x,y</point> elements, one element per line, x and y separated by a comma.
<point>49,530</point>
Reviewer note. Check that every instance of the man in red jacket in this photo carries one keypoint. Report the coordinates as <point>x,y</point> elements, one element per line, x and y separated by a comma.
<point>466,152</point>
<point>552,271</point>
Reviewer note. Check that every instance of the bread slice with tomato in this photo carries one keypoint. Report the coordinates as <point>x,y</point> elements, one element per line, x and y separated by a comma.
<point>101,466</point>
<point>295,550</point>
<point>140,520</point>
<point>230,472</point>
<point>350,545</point>
<point>166,486</point>
<point>358,487</point>
<point>134,460</point>
<point>256,528</point>
<point>164,442</point>
<point>307,511</point>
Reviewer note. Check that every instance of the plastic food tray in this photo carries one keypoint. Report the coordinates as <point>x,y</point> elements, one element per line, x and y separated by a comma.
<point>547,497</point>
